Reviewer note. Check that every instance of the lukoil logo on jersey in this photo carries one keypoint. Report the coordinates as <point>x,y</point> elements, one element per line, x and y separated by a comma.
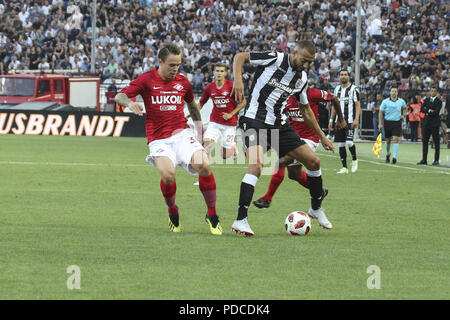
<point>223,102</point>
<point>167,100</point>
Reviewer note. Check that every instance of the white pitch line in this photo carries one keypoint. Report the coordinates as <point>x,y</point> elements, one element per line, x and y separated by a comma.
<point>434,169</point>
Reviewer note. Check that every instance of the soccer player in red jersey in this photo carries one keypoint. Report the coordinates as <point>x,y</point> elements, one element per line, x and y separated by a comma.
<point>171,142</point>
<point>224,115</point>
<point>296,120</point>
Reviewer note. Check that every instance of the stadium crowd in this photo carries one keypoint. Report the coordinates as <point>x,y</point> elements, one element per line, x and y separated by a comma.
<point>404,43</point>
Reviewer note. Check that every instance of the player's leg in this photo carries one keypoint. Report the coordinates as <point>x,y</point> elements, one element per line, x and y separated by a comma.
<point>166,169</point>
<point>255,157</point>
<point>275,181</point>
<point>340,138</point>
<point>228,145</point>
<point>207,185</point>
<point>306,156</point>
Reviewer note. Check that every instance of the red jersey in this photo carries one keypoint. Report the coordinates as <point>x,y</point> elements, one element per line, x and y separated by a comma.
<point>296,118</point>
<point>223,102</point>
<point>164,102</point>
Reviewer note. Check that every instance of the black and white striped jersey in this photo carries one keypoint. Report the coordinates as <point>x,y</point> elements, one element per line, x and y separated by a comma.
<point>273,83</point>
<point>348,97</point>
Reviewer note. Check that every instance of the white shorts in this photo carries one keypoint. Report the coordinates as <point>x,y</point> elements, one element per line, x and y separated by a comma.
<point>179,148</point>
<point>313,145</point>
<point>225,133</point>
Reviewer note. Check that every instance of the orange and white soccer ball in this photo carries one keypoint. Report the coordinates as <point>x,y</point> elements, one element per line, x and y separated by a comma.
<point>297,223</point>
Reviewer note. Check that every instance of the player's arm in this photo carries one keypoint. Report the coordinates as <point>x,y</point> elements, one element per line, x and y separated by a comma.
<point>238,84</point>
<point>380,119</point>
<point>341,124</point>
<point>311,121</point>
<point>358,113</point>
<point>332,117</point>
<point>238,108</point>
<point>123,100</point>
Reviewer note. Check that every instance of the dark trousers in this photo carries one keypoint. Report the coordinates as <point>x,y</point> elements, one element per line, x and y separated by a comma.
<point>414,126</point>
<point>426,133</point>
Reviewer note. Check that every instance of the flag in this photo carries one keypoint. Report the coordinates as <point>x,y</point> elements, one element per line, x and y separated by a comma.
<point>377,146</point>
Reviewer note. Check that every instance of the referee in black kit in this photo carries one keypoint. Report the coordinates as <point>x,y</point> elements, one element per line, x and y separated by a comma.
<point>430,123</point>
<point>277,77</point>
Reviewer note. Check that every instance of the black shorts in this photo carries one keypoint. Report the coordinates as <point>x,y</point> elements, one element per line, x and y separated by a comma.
<point>344,134</point>
<point>282,139</point>
<point>392,128</point>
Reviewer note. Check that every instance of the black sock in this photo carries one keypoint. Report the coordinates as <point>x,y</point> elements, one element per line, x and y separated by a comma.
<point>343,155</point>
<point>316,191</point>
<point>352,150</point>
<point>175,219</point>
<point>245,197</point>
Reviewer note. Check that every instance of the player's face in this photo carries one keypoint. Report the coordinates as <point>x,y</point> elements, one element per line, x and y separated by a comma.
<point>344,77</point>
<point>169,68</point>
<point>219,73</point>
<point>433,92</point>
<point>302,59</point>
<point>394,94</point>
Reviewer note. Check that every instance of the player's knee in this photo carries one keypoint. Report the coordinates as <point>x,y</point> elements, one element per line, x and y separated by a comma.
<point>255,169</point>
<point>168,177</point>
<point>204,169</point>
<point>313,164</point>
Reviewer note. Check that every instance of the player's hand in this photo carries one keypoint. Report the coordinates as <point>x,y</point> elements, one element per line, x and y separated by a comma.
<point>327,144</point>
<point>238,89</point>
<point>330,126</point>
<point>354,124</point>
<point>226,116</point>
<point>380,127</point>
<point>136,107</point>
<point>340,125</point>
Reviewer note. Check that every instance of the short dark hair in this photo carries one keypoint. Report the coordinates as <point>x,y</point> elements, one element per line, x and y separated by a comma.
<point>344,70</point>
<point>165,51</point>
<point>308,45</point>
<point>220,65</point>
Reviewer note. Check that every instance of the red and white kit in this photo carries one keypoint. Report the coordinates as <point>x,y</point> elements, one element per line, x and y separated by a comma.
<point>166,126</point>
<point>315,96</point>
<point>222,101</point>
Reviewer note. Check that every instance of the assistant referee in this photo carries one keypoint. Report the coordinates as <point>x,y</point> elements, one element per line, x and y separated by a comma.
<point>392,111</point>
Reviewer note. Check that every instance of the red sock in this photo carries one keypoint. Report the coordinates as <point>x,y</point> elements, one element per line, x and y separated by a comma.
<point>169,191</point>
<point>207,186</point>
<point>303,180</point>
<point>275,182</point>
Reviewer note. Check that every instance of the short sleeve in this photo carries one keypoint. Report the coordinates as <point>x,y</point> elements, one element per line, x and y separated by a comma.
<point>356,95</point>
<point>383,105</point>
<point>189,95</point>
<point>205,95</point>
<point>135,88</point>
<point>302,96</point>
<point>263,58</point>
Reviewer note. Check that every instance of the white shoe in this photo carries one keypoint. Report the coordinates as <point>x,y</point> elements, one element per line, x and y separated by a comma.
<point>196,183</point>
<point>354,166</point>
<point>319,214</point>
<point>343,170</point>
<point>242,226</point>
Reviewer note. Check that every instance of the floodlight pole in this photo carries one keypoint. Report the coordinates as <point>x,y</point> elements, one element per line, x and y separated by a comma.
<point>94,35</point>
<point>357,58</point>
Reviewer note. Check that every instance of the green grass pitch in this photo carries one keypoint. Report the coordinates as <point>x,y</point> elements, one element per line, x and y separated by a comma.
<point>95,203</point>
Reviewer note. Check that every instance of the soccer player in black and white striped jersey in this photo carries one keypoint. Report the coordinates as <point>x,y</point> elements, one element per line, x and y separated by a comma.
<point>277,77</point>
<point>348,95</point>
